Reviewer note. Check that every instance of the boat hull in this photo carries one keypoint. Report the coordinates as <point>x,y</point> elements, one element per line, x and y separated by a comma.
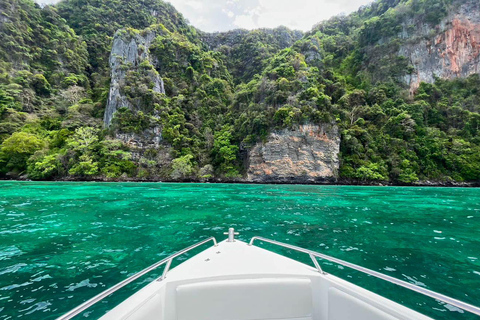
<point>235,281</point>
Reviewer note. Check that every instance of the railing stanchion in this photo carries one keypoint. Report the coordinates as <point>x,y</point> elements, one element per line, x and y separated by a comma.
<point>167,267</point>
<point>315,262</point>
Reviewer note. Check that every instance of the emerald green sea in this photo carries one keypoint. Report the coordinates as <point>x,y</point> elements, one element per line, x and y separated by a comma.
<point>62,243</point>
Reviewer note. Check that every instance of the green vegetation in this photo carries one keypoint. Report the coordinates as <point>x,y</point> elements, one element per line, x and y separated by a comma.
<point>224,93</point>
<point>246,53</point>
<point>98,20</point>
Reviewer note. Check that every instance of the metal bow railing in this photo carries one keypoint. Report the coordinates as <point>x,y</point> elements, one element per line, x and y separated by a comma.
<point>314,255</point>
<point>84,306</point>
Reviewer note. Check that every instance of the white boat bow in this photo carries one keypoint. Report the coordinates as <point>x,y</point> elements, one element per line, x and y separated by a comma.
<point>233,280</point>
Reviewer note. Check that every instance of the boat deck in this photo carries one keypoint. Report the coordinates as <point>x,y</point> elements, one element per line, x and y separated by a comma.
<point>235,281</point>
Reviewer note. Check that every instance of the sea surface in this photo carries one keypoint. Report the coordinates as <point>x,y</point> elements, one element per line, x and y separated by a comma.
<point>63,243</point>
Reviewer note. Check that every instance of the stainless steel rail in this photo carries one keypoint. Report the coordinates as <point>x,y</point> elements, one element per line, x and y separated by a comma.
<point>122,284</point>
<point>426,292</point>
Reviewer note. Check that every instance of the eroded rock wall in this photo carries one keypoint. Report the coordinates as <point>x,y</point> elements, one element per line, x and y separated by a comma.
<point>129,50</point>
<point>308,153</point>
<point>450,50</point>
<point>132,66</point>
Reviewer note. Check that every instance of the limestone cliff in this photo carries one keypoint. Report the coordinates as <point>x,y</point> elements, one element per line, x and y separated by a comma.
<point>139,142</point>
<point>450,50</point>
<point>134,77</point>
<point>130,52</point>
<point>308,153</point>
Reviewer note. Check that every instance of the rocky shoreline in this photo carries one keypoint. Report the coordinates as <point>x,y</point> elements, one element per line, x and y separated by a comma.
<point>330,182</point>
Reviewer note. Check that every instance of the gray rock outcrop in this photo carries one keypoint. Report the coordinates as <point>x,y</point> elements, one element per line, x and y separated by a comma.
<point>129,50</point>
<point>308,153</point>
<point>139,143</point>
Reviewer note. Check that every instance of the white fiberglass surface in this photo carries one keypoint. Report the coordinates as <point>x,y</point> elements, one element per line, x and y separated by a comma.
<point>235,281</point>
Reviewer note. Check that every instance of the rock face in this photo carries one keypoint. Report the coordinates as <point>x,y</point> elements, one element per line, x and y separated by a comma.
<point>451,50</point>
<point>129,50</point>
<point>308,153</point>
<point>132,66</point>
<point>148,140</point>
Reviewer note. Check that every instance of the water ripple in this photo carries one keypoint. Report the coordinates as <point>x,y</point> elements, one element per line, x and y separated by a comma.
<point>62,243</point>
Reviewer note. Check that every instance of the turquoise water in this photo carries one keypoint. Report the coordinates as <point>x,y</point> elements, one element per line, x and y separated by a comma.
<point>62,243</point>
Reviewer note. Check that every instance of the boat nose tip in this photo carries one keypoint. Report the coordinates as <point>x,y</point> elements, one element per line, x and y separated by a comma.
<point>231,234</point>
